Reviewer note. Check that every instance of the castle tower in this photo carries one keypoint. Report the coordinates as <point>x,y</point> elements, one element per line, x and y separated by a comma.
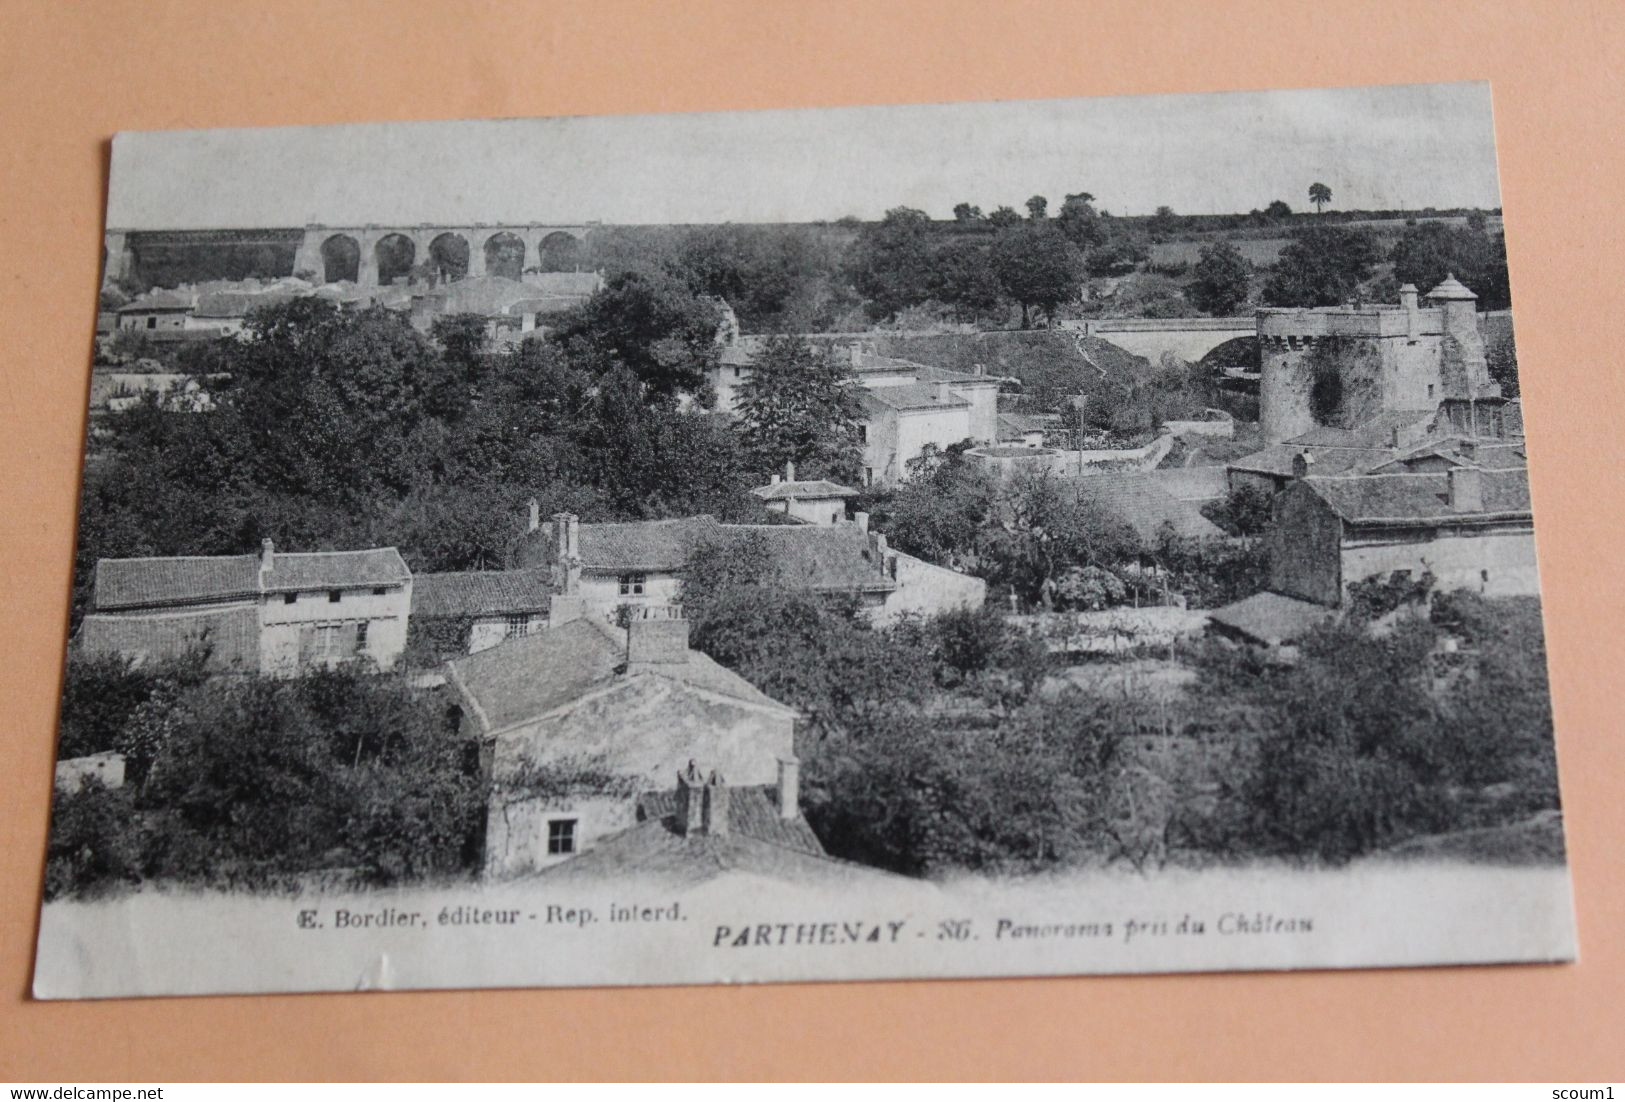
<point>1463,370</point>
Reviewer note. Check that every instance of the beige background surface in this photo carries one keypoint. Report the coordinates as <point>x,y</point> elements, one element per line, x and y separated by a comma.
<point>72,74</point>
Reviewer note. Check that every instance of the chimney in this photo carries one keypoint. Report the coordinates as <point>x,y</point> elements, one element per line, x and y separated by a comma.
<point>714,815</point>
<point>267,556</point>
<point>535,520</point>
<point>1407,300</point>
<point>880,544</point>
<point>690,800</point>
<point>981,369</point>
<point>1466,489</point>
<point>774,481</point>
<point>789,470</point>
<point>862,520</point>
<point>657,636</point>
<point>789,788</point>
<point>566,554</point>
<point>1301,464</point>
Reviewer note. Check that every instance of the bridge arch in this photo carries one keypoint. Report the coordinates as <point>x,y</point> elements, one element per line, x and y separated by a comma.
<point>395,254</point>
<point>559,252</point>
<point>341,259</point>
<point>448,256</point>
<point>505,255</point>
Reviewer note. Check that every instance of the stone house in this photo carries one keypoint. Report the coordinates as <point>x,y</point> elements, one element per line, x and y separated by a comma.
<point>157,312</point>
<point>612,564</point>
<point>812,501</point>
<point>1468,527</point>
<point>274,612</point>
<point>577,722</point>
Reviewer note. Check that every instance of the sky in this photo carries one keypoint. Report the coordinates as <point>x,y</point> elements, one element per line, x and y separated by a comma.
<point>1391,146</point>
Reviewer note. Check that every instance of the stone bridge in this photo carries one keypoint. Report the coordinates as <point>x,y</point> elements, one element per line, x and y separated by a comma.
<point>1188,338</point>
<point>369,255</point>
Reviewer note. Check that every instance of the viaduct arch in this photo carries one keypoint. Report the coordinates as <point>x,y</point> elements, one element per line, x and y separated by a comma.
<point>370,255</point>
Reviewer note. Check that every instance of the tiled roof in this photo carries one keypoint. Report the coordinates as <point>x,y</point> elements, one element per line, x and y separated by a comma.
<point>624,546</point>
<point>753,812</point>
<point>158,300</point>
<point>1277,459</point>
<point>153,583</point>
<point>530,676</point>
<point>1270,618</point>
<point>480,593</point>
<point>1413,498</point>
<point>1013,426</point>
<point>335,569</point>
<point>835,559</point>
<point>1191,483</point>
<point>813,488</point>
<point>1140,501</point>
<point>232,635</point>
<point>907,398</point>
<point>186,580</point>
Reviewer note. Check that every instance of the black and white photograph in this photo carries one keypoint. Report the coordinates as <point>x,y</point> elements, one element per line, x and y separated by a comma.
<point>986,539</point>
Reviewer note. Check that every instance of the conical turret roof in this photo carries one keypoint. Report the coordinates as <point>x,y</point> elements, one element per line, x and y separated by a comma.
<point>1451,290</point>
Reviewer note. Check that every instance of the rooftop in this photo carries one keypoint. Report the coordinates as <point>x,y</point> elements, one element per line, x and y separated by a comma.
<point>908,398</point>
<point>186,580</point>
<point>232,635</point>
<point>1270,618</point>
<point>480,593</point>
<point>838,558</point>
<point>1142,501</point>
<point>1391,499</point>
<point>526,678</point>
<point>621,547</point>
<point>802,489</point>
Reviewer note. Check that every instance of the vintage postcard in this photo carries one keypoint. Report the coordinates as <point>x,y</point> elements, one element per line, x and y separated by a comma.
<point>967,540</point>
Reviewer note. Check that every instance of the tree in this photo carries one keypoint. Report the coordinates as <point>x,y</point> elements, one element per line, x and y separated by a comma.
<point>890,262</point>
<point>1003,218</point>
<point>1037,208</point>
<point>1321,266</point>
<point>1428,252</point>
<point>1038,267</point>
<point>965,212</point>
<point>800,405</point>
<point>1223,279</point>
<point>1080,222</point>
<point>964,278</point>
<point>1320,195</point>
<point>1163,222</point>
<point>1278,210</point>
<point>653,324</point>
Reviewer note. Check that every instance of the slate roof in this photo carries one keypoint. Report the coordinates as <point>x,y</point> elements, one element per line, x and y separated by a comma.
<point>232,634</point>
<point>906,398</point>
<point>481,593</point>
<point>812,488</point>
<point>1145,505</point>
<point>1383,499</point>
<point>838,558</point>
<point>753,812</point>
<point>1270,618</point>
<point>199,579</point>
<point>524,678</point>
<point>624,546</point>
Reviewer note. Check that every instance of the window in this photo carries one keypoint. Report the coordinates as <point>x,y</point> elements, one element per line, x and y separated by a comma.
<point>863,433</point>
<point>836,518</point>
<point>868,476</point>
<point>379,590</point>
<point>631,585</point>
<point>152,323</point>
<point>1430,390</point>
<point>333,596</point>
<point>289,598</point>
<point>517,624</point>
<point>361,637</point>
<point>561,836</point>
<point>325,641</point>
<point>736,373</point>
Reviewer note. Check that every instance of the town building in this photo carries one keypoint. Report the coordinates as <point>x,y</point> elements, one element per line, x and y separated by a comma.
<point>157,312</point>
<point>469,611</point>
<point>274,612</point>
<point>1344,366</point>
<point>512,308</point>
<point>641,563</point>
<point>577,722</point>
<point>813,501</point>
<point>708,829</point>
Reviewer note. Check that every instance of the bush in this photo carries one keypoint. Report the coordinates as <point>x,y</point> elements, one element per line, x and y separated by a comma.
<point>93,845</point>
